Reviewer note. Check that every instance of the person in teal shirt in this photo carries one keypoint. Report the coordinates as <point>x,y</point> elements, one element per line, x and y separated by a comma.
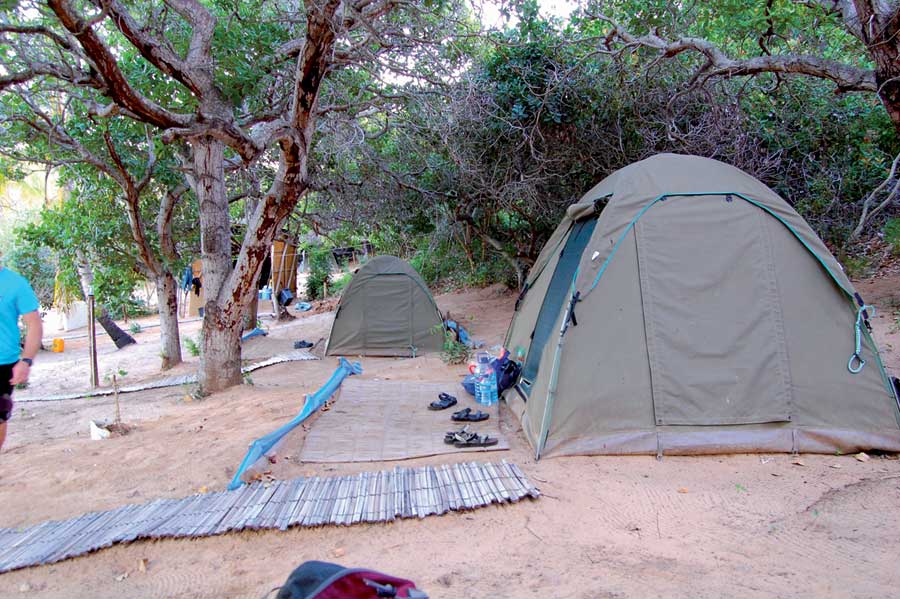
<point>16,299</point>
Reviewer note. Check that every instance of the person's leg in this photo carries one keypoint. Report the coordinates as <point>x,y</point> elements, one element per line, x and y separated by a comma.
<point>6,403</point>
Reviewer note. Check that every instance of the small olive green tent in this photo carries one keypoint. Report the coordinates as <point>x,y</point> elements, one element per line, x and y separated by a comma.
<point>386,310</point>
<point>682,307</point>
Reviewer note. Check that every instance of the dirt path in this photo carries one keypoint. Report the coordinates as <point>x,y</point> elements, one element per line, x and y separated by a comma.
<point>748,525</point>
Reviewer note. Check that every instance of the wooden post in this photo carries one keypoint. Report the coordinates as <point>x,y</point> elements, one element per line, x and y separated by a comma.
<point>92,341</point>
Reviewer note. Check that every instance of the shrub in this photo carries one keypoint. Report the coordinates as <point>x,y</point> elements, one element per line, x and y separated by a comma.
<point>192,345</point>
<point>453,352</point>
<point>892,235</point>
<point>856,267</point>
<point>338,284</point>
<point>319,272</point>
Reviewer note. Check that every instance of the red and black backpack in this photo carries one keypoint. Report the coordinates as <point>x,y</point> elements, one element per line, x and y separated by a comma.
<point>322,580</point>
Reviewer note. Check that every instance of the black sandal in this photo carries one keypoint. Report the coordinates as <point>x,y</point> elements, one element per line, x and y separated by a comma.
<point>444,401</point>
<point>467,415</point>
<point>462,434</point>
<point>476,440</point>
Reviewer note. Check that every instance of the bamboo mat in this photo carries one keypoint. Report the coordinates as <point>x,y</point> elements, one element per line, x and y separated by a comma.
<point>376,421</point>
<point>366,497</point>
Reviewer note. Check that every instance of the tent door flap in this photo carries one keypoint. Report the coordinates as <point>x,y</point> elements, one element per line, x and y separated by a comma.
<point>712,314</point>
<point>556,297</point>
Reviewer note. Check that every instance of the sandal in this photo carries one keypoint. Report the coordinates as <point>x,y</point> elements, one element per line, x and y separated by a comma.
<point>476,440</point>
<point>461,435</point>
<point>467,415</point>
<point>444,401</point>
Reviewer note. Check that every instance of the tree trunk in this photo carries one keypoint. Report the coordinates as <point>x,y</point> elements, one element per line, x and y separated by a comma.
<point>170,339</point>
<point>889,92</point>
<point>220,355</point>
<point>86,276</point>
<point>119,337</point>
<point>252,314</point>
<point>877,25</point>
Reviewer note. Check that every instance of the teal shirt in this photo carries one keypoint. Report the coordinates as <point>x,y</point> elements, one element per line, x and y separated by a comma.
<point>16,298</point>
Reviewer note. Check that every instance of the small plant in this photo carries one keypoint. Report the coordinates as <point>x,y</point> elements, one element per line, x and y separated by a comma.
<point>134,328</point>
<point>117,426</point>
<point>856,267</point>
<point>338,284</point>
<point>192,345</point>
<point>453,351</point>
<point>247,379</point>
<point>892,235</point>
<point>190,393</point>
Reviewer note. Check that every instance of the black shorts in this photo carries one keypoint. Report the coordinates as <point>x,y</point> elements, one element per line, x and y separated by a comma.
<point>6,391</point>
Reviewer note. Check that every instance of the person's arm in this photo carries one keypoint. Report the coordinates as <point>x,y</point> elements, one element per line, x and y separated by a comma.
<point>33,331</point>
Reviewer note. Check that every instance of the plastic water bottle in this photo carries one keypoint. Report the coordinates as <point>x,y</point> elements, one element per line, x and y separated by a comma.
<point>479,394</point>
<point>486,388</point>
<point>481,366</point>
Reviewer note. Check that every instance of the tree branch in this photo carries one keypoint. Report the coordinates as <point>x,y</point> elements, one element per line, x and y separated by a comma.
<point>718,64</point>
<point>118,86</point>
<point>867,203</point>
<point>164,222</point>
<point>189,72</point>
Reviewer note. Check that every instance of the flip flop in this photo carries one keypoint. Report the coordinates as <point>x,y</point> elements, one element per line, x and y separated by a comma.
<point>467,415</point>
<point>444,401</point>
<point>476,440</point>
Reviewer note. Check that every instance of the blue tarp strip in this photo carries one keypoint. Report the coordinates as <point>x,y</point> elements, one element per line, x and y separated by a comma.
<point>254,333</point>
<point>313,402</point>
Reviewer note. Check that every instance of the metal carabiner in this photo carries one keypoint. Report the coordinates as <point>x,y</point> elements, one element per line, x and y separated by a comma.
<point>860,319</point>
<point>856,357</point>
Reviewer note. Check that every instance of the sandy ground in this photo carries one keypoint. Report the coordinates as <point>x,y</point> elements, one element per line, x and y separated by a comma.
<point>724,526</point>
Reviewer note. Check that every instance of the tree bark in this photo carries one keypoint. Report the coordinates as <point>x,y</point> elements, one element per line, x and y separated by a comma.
<point>220,355</point>
<point>252,314</point>
<point>877,25</point>
<point>169,336</point>
<point>86,275</point>
<point>119,337</point>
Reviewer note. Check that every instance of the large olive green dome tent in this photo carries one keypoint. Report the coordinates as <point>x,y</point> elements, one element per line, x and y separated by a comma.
<point>682,307</point>
<point>386,310</point>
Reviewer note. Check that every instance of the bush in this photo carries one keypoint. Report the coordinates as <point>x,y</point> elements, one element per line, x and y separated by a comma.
<point>446,263</point>
<point>856,267</point>
<point>892,235</point>
<point>453,352</point>
<point>319,272</point>
<point>130,308</point>
<point>338,284</point>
